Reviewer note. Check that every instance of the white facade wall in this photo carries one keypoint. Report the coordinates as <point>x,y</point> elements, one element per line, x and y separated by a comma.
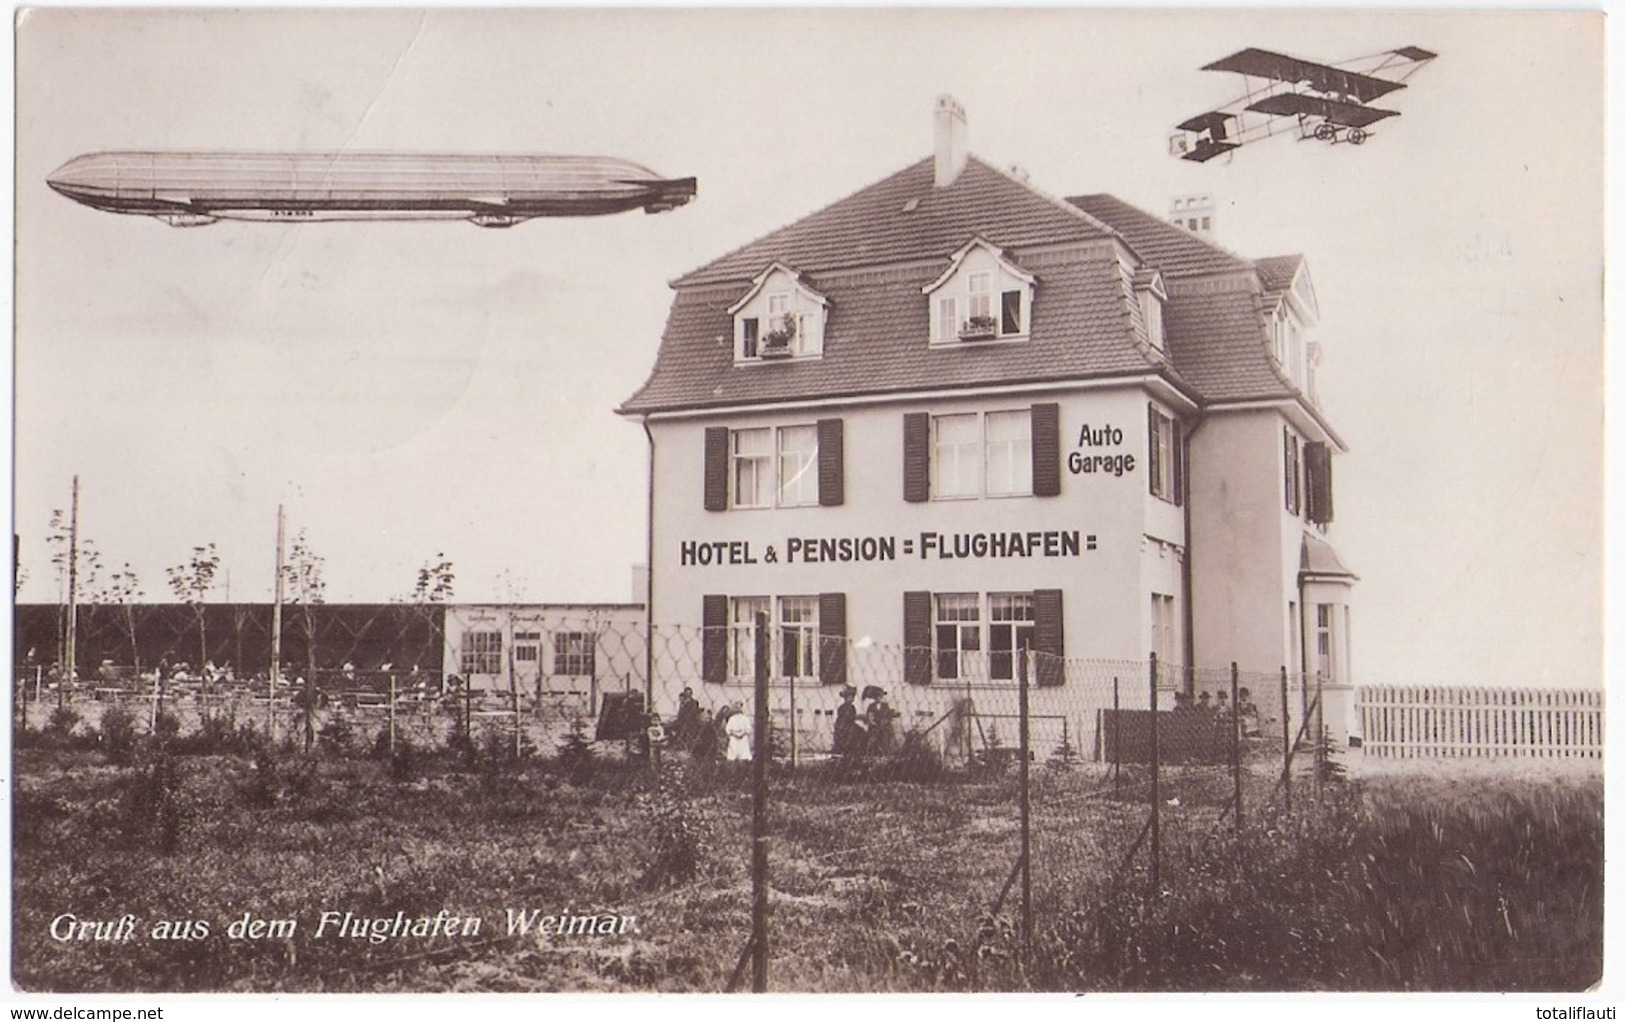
<point>566,651</point>
<point>1246,555</point>
<point>1128,544</point>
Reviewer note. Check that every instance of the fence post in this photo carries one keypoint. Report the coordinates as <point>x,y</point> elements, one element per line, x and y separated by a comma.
<point>1286,743</point>
<point>468,719</point>
<point>1117,741</point>
<point>392,694</point>
<point>1235,738</point>
<point>758,812</point>
<point>1156,789</point>
<point>1025,735</point>
<point>1320,735</point>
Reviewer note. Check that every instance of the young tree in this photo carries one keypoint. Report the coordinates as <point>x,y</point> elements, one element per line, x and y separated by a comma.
<point>437,581</point>
<point>191,583</point>
<point>78,570</point>
<point>124,588</point>
<point>305,583</point>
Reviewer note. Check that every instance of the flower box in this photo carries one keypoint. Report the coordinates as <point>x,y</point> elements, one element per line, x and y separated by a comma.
<point>978,328</point>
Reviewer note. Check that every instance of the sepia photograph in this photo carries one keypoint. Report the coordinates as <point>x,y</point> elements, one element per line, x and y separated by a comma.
<point>807,501</point>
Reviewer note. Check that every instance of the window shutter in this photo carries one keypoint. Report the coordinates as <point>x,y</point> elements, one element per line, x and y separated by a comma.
<point>714,639</point>
<point>916,457</point>
<point>917,638</point>
<point>832,638</point>
<point>716,468</point>
<point>1154,462</point>
<point>1049,645</point>
<point>1179,464</point>
<point>1318,468</point>
<point>831,463</point>
<point>1289,456</point>
<point>1046,450</point>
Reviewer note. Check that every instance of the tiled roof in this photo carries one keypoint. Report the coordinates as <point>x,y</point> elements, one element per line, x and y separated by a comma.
<point>876,341</point>
<point>872,252</point>
<point>1275,273</point>
<point>877,227</point>
<point>1318,558</point>
<point>1216,341</point>
<point>1173,250</point>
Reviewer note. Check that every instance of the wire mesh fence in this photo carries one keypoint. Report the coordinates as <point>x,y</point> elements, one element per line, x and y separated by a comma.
<point>980,787</point>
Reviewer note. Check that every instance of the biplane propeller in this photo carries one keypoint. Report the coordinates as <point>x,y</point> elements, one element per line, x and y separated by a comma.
<point>1328,102</point>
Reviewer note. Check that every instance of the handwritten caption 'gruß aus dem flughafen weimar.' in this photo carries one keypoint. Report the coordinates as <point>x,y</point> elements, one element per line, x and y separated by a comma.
<point>338,924</point>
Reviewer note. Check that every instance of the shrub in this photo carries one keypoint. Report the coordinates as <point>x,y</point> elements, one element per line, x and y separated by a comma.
<point>217,735</point>
<point>679,835</point>
<point>458,741</point>
<point>154,805</point>
<point>1065,756</point>
<point>918,760</point>
<point>59,726</point>
<point>576,758</point>
<point>273,781</point>
<point>165,727</point>
<point>338,734</point>
<point>118,735</point>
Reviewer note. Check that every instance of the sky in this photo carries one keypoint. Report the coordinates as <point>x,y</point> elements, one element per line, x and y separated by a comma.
<point>407,390</point>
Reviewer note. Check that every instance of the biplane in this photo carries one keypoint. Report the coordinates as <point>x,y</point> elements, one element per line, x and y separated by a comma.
<point>1328,102</point>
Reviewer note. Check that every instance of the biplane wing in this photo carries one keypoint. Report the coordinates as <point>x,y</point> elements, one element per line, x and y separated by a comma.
<point>1332,111</point>
<point>1212,122</point>
<point>1327,102</point>
<point>1322,78</point>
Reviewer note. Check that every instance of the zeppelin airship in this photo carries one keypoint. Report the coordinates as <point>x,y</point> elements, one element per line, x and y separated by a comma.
<point>188,189</point>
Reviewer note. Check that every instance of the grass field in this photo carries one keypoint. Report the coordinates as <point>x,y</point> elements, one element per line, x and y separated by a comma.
<point>1396,880</point>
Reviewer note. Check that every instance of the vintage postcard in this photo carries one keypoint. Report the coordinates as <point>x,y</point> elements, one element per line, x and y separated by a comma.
<point>808,501</point>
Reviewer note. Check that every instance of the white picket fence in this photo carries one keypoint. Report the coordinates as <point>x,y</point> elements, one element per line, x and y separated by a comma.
<point>1429,721</point>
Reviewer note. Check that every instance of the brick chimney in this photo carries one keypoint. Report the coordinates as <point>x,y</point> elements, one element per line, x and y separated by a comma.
<point>951,140</point>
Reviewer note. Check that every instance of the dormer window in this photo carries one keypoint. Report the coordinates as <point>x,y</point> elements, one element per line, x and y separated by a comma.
<point>982,297</point>
<point>780,317</point>
<point>1148,288</point>
<point>1290,348</point>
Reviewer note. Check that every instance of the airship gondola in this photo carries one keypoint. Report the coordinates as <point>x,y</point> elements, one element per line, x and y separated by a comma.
<point>187,189</point>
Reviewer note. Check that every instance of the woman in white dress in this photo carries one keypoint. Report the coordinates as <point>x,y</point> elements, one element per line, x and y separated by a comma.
<point>738,729</point>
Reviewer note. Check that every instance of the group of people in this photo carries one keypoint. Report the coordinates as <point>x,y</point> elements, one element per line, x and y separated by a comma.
<point>697,731</point>
<point>871,731</point>
<point>1219,703</point>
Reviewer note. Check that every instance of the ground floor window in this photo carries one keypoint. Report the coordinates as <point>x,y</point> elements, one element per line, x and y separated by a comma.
<point>1325,662</point>
<point>978,636</point>
<point>793,627</point>
<point>574,653</point>
<point>1164,629</point>
<point>482,653</point>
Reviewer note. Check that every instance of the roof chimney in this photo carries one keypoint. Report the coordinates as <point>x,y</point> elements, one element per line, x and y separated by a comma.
<point>950,151</point>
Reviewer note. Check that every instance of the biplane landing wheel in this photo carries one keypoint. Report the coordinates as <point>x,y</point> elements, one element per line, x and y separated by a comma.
<point>1356,135</point>
<point>1325,132</point>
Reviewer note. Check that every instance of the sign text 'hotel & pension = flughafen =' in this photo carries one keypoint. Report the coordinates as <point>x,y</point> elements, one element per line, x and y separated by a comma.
<point>953,415</point>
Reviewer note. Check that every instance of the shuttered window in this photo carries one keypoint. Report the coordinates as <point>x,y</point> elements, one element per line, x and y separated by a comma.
<point>975,637</point>
<point>917,638</point>
<point>766,466</point>
<point>714,639</point>
<point>716,468</point>
<point>1289,455</point>
<point>916,457</point>
<point>1046,445</point>
<point>832,638</point>
<point>1165,476</point>
<point>1317,463</point>
<point>1049,637</point>
<point>831,463</point>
